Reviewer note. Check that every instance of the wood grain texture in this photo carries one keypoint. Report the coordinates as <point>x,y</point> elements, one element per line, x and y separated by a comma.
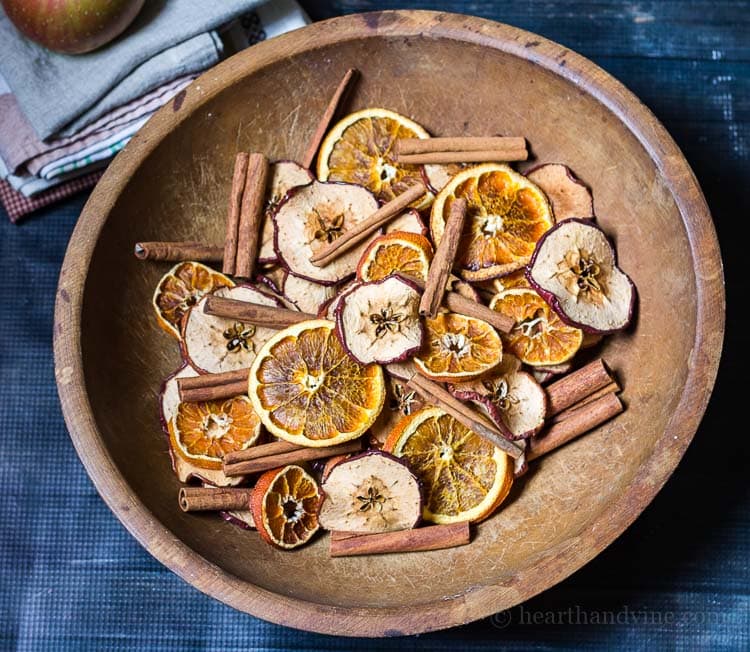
<point>174,178</point>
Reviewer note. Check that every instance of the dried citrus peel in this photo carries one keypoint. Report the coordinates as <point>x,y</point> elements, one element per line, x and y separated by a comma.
<point>465,478</point>
<point>307,390</point>
<point>370,492</point>
<point>507,214</point>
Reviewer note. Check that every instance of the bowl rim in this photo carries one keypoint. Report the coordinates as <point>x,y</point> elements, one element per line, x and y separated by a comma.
<point>475,602</point>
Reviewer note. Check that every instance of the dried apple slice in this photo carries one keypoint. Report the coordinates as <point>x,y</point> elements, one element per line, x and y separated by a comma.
<point>215,344</point>
<point>437,175</point>
<point>285,176</point>
<point>568,195</point>
<point>513,399</point>
<point>379,321</point>
<point>313,217</point>
<point>370,492</point>
<point>307,296</point>
<point>328,309</point>
<point>410,222</point>
<point>274,277</point>
<point>574,268</point>
<point>169,396</point>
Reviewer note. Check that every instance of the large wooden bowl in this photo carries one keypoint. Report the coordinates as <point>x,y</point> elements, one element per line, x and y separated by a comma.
<point>455,75</point>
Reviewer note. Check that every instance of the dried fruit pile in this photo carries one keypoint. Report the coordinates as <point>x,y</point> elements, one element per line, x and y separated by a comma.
<point>354,370</point>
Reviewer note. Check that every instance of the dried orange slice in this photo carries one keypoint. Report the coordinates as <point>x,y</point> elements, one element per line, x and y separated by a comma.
<point>465,478</point>
<point>540,337</point>
<point>458,348</point>
<point>285,504</point>
<point>359,149</point>
<point>515,279</point>
<point>180,289</point>
<point>408,253</point>
<point>205,431</point>
<point>507,214</point>
<point>308,390</point>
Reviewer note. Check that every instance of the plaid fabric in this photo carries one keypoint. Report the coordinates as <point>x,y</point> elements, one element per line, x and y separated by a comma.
<point>18,205</point>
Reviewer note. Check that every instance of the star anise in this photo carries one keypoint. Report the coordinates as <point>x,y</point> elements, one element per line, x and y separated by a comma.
<point>387,321</point>
<point>328,230</point>
<point>239,336</point>
<point>373,500</point>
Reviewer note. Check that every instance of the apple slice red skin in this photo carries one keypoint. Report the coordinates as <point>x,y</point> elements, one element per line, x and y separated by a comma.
<point>280,260</point>
<point>183,347</point>
<point>405,355</point>
<point>267,260</point>
<point>552,299</point>
<point>494,411</point>
<point>350,458</point>
<point>573,179</point>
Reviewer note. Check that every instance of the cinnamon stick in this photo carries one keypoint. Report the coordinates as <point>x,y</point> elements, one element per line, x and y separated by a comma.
<point>326,118</point>
<point>442,261</point>
<point>176,252</point>
<point>577,385</point>
<point>264,450</point>
<point>214,392</point>
<point>359,232</point>
<point>251,215</point>
<point>432,537</point>
<point>305,454</point>
<point>484,156</point>
<point>433,393</point>
<point>456,302</point>
<point>613,387</point>
<point>203,499</point>
<point>213,387</point>
<point>578,422</point>
<point>254,313</point>
<point>233,216</point>
<point>458,144</point>
<point>206,380</point>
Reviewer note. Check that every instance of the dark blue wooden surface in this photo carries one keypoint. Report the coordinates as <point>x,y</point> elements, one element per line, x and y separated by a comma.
<point>72,578</point>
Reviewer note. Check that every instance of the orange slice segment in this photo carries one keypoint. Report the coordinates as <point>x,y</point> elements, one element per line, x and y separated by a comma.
<point>308,391</point>
<point>359,149</point>
<point>458,348</point>
<point>507,214</point>
<point>284,504</point>
<point>409,253</point>
<point>180,289</point>
<point>540,337</point>
<point>465,478</point>
<point>204,432</point>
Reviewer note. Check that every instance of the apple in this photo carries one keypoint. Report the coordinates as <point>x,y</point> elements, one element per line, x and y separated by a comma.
<point>72,26</point>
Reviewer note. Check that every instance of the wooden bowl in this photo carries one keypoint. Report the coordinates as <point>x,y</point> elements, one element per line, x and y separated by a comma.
<point>454,75</point>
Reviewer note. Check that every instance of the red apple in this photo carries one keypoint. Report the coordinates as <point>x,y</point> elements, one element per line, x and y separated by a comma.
<point>72,26</point>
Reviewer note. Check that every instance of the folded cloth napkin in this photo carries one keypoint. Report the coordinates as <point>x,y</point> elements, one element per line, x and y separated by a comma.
<point>18,205</point>
<point>41,80</point>
<point>21,149</point>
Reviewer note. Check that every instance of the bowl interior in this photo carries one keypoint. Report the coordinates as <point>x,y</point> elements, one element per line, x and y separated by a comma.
<point>451,87</point>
